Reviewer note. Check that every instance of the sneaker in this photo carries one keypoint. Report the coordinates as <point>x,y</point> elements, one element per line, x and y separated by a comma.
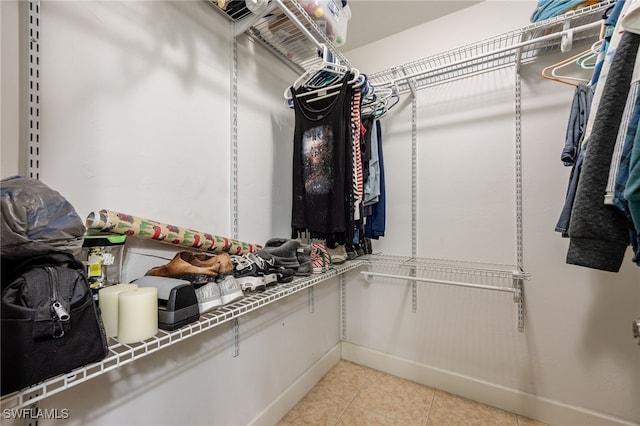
<point>230,290</point>
<point>304,259</point>
<point>319,258</point>
<point>283,254</point>
<point>351,251</point>
<point>276,242</point>
<point>368,248</point>
<point>248,274</point>
<point>284,275</point>
<point>264,268</point>
<point>209,297</point>
<point>269,268</point>
<point>338,254</point>
<point>359,249</point>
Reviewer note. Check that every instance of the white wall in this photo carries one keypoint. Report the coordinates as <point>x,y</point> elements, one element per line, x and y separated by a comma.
<point>10,94</point>
<point>136,117</point>
<point>577,348</point>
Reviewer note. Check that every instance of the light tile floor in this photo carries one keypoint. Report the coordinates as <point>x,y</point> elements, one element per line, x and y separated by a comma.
<point>351,394</point>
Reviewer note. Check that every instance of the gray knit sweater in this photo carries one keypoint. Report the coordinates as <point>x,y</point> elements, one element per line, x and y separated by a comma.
<point>598,233</point>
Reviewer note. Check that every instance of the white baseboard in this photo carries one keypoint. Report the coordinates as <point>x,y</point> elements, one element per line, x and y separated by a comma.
<point>512,400</point>
<point>298,389</point>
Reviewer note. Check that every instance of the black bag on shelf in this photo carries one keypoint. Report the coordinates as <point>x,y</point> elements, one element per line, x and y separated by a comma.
<point>50,324</point>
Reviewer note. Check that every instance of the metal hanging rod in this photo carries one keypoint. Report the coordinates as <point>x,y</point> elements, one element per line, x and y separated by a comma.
<point>516,290</point>
<point>431,280</point>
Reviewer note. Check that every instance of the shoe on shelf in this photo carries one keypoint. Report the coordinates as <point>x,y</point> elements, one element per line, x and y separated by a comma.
<point>351,251</point>
<point>209,296</point>
<point>230,290</point>
<point>251,273</point>
<point>305,269</point>
<point>282,255</point>
<point>320,260</point>
<point>368,248</point>
<point>268,268</point>
<point>265,268</point>
<point>303,255</point>
<point>337,254</point>
<point>205,260</point>
<point>180,267</point>
<point>276,242</point>
<point>284,275</point>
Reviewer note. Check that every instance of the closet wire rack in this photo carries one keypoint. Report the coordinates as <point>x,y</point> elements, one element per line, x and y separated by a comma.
<point>288,32</point>
<point>512,48</point>
<point>121,354</point>
<point>480,276</point>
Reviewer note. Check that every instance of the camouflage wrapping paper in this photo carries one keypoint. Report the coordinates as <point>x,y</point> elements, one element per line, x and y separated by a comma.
<point>120,223</point>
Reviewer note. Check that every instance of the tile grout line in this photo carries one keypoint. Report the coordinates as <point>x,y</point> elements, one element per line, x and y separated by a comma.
<point>433,399</point>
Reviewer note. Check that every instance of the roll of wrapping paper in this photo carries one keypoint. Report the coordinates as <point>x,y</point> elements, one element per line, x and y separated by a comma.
<point>120,223</point>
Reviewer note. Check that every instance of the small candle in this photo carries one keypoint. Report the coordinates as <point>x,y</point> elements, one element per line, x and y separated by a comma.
<point>108,302</point>
<point>137,314</point>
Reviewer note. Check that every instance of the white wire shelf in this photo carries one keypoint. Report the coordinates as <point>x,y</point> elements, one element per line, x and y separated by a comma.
<point>514,47</point>
<point>287,31</point>
<point>476,271</point>
<point>121,354</point>
<point>478,276</point>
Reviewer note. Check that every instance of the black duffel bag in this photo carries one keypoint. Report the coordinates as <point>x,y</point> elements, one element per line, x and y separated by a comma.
<point>50,324</point>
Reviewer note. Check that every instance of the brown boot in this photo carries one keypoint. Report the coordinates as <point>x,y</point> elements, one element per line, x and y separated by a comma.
<point>181,267</point>
<point>204,260</point>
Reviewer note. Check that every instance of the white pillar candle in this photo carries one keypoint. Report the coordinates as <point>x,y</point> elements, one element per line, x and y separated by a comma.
<point>137,314</point>
<point>108,302</point>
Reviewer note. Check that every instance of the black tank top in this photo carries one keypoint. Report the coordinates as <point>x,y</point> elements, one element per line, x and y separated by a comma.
<point>321,164</point>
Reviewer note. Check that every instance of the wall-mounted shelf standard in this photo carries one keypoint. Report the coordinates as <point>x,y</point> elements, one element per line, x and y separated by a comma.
<point>481,276</point>
<point>121,354</point>
<point>508,49</point>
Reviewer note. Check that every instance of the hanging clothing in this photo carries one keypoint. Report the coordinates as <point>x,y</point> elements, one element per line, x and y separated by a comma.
<point>358,183</point>
<point>632,191</point>
<point>577,125</point>
<point>598,233</point>
<point>565,215</point>
<point>602,67</point>
<point>629,134</point>
<point>631,155</point>
<point>572,154</point>
<point>321,179</point>
<point>610,24</point>
<point>623,131</point>
<point>372,185</point>
<point>549,8</point>
<point>376,224</point>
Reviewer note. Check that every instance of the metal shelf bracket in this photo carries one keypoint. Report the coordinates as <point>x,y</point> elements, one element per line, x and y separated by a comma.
<point>518,296</point>
<point>235,336</point>
<point>311,301</point>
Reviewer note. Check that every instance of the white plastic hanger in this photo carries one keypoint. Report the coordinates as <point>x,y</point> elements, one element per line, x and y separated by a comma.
<point>324,92</point>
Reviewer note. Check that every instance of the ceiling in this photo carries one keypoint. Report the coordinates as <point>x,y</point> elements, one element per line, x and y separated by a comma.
<point>372,20</point>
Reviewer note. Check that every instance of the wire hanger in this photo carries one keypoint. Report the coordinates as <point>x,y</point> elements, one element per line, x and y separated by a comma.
<point>323,92</point>
<point>589,59</point>
<point>570,80</point>
<point>320,77</point>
